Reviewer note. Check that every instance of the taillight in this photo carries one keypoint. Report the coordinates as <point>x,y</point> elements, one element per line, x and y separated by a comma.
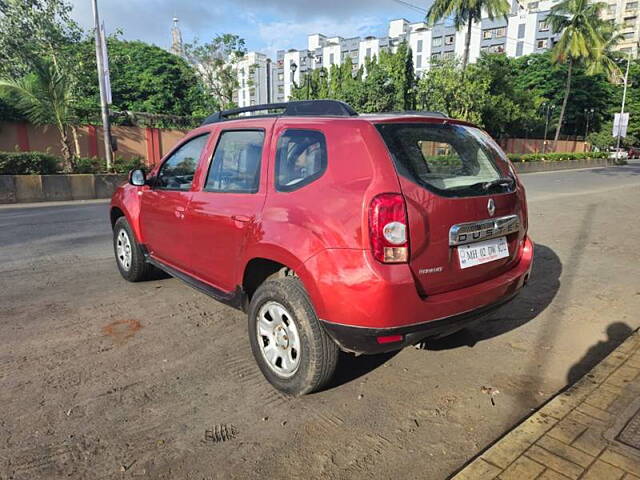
<point>388,228</point>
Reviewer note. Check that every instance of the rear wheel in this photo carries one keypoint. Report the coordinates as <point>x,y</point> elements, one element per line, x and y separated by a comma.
<point>129,256</point>
<point>292,349</point>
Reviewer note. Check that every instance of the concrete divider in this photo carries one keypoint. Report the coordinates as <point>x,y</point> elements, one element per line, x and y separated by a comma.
<point>56,188</point>
<point>105,184</point>
<point>7,189</point>
<point>532,167</point>
<point>48,188</point>
<point>41,188</point>
<point>28,188</point>
<point>83,187</point>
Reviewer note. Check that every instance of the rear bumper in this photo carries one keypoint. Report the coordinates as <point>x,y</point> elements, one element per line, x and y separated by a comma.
<point>381,300</point>
<point>365,340</point>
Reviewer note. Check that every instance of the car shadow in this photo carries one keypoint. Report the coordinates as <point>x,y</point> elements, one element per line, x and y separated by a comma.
<point>352,367</point>
<point>617,332</point>
<point>532,300</point>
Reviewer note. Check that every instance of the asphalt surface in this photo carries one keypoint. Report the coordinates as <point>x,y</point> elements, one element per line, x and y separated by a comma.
<point>104,379</point>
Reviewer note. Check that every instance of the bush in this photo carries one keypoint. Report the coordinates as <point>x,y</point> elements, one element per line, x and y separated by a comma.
<point>124,166</point>
<point>28,163</point>
<point>554,157</point>
<point>88,165</point>
<point>38,163</point>
<point>99,165</point>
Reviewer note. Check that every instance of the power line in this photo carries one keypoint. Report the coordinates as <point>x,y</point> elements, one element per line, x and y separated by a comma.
<point>412,6</point>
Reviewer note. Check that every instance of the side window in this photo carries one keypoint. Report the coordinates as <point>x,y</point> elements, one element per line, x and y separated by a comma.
<point>236,163</point>
<point>177,171</point>
<point>301,158</point>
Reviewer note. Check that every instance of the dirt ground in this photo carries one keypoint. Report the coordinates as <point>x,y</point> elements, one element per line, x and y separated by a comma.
<point>102,379</point>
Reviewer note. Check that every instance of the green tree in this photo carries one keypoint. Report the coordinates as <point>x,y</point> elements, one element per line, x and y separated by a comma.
<point>144,78</point>
<point>388,84</point>
<point>465,13</point>
<point>399,68</point>
<point>377,93</point>
<point>510,109</point>
<point>44,97</point>
<point>544,79</point>
<point>581,40</point>
<point>31,29</point>
<point>216,63</point>
<point>446,88</point>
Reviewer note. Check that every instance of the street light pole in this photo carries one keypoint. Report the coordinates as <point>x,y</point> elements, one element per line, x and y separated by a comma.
<point>106,128</point>
<point>293,68</point>
<point>308,73</point>
<point>624,99</point>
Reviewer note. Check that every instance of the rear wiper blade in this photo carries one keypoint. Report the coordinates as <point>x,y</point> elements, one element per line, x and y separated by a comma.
<point>503,182</point>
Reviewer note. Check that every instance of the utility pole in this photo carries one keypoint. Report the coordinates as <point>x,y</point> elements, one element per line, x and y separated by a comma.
<point>624,99</point>
<point>549,107</point>
<point>588,113</point>
<point>106,128</point>
<point>268,80</point>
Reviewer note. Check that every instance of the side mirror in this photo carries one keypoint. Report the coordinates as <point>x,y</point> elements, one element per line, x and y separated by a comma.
<point>137,177</point>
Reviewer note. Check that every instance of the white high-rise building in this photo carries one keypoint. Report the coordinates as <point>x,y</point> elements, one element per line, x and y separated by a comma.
<point>626,14</point>
<point>255,80</point>
<point>524,31</point>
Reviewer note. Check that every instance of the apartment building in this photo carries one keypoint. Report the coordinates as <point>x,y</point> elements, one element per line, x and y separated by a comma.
<point>523,32</point>
<point>626,14</point>
<point>255,76</point>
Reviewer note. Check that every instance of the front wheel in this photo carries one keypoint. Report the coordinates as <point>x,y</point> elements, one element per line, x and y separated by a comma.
<point>292,349</point>
<point>129,257</point>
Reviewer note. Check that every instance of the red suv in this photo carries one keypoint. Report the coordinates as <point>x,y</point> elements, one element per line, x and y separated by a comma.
<point>332,230</point>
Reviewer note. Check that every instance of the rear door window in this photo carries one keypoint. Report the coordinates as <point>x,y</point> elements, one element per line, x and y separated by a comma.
<point>236,163</point>
<point>301,158</point>
<point>451,160</point>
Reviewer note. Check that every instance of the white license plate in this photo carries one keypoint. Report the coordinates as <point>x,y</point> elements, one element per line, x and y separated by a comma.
<point>483,252</point>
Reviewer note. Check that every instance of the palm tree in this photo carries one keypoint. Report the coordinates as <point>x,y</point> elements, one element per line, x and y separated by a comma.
<point>605,59</point>
<point>45,97</point>
<point>465,13</point>
<point>582,41</point>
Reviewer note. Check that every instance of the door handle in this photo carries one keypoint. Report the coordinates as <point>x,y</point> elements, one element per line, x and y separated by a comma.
<point>241,218</point>
<point>179,212</point>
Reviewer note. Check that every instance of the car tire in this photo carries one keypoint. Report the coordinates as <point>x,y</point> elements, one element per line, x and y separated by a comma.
<point>129,256</point>
<point>289,344</point>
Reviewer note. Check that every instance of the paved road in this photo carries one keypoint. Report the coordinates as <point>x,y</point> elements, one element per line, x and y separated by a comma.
<point>104,379</point>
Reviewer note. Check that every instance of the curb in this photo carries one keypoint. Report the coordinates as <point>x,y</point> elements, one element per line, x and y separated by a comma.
<point>507,451</point>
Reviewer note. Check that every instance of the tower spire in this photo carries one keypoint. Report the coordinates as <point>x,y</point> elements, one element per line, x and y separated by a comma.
<point>177,48</point>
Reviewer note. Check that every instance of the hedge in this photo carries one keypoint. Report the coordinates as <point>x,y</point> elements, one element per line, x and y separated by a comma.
<point>99,165</point>
<point>39,163</point>
<point>27,163</point>
<point>554,157</point>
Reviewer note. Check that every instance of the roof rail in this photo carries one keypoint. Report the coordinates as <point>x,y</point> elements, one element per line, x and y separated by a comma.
<point>425,113</point>
<point>297,108</point>
<point>399,113</point>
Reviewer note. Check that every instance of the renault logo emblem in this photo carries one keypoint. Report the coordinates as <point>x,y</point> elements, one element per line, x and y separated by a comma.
<point>491,207</point>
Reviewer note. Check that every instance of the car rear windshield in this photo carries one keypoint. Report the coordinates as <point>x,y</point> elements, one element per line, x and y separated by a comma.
<point>449,159</point>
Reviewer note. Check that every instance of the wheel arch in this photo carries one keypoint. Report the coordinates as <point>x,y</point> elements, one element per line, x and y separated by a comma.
<point>126,203</point>
<point>259,268</point>
<point>114,214</point>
